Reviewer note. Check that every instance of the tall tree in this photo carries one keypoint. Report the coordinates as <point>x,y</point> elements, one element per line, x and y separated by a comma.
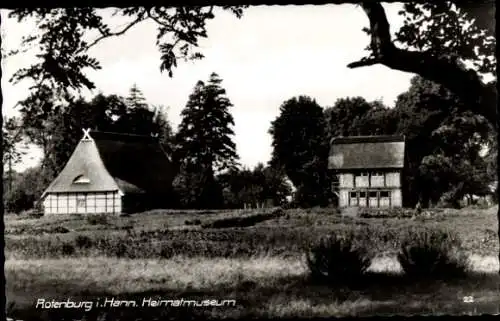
<point>204,144</point>
<point>59,130</point>
<point>444,141</point>
<point>11,138</point>
<point>254,187</point>
<point>138,117</point>
<point>26,191</point>
<point>301,149</point>
<point>135,99</point>
<point>353,116</point>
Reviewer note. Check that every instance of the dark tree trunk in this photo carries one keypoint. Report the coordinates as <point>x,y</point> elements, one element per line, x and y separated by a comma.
<point>498,189</point>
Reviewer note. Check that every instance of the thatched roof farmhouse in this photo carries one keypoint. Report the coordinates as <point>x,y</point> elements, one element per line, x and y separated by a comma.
<point>112,173</point>
<point>369,170</point>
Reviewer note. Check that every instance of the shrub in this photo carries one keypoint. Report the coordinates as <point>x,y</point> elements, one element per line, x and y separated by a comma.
<point>432,253</point>
<point>192,222</point>
<point>83,241</point>
<point>57,229</point>
<point>31,213</point>
<point>338,257</point>
<point>97,219</point>
<point>244,221</point>
<point>67,249</point>
<point>120,250</point>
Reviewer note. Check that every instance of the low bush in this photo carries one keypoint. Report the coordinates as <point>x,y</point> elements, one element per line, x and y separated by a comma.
<point>386,212</point>
<point>31,213</point>
<point>97,219</point>
<point>192,222</point>
<point>67,249</point>
<point>432,253</point>
<point>36,230</point>
<point>83,242</point>
<point>244,221</point>
<point>57,229</point>
<point>338,257</point>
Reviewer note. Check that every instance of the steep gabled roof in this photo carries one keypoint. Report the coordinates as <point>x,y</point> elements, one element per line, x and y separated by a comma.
<point>366,152</point>
<point>137,160</point>
<point>111,161</point>
<point>84,165</point>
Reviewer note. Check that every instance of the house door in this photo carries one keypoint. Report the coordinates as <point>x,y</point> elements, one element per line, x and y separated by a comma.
<point>362,199</point>
<point>353,199</point>
<point>373,199</point>
<point>81,206</point>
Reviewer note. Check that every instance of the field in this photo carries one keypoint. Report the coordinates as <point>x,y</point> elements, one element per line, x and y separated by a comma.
<point>255,258</point>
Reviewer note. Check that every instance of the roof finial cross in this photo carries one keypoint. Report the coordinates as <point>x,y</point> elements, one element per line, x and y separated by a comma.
<point>86,134</point>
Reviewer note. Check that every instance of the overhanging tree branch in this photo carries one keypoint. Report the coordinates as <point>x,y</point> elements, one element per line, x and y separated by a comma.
<point>364,62</point>
<point>444,69</point>
<point>105,35</point>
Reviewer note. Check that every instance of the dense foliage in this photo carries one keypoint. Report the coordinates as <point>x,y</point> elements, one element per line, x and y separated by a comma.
<point>204,145</point>
<point>435,41</point>
<point>300,149</point>
<point>432,253</point>
<point>444,141</point>
<point>262,186</point>
<point>338,258</point>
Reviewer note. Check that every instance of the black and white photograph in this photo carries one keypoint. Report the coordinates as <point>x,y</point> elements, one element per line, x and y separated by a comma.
<point>229,161</point>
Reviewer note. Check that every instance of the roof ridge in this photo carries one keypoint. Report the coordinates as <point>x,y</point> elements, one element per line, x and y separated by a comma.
<point>120,134</point>
<point>368,139</point>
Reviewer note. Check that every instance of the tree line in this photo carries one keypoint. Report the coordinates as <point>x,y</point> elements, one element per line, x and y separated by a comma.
<point>202,150</point>
<point>434,42</point>
<point>450,150</point>
<point>449,154</point>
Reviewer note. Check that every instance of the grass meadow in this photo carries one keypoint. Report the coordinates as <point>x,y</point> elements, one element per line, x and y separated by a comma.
<point>258,259</point>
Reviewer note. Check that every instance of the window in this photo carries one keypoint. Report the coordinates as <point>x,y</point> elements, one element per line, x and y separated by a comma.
<point>362,194</point>
<point>384,194</point>
<point>81,179</point>
<point>81,201</point>
<point>377,174</point>
<point>353,194</point>
<point>373,194</point>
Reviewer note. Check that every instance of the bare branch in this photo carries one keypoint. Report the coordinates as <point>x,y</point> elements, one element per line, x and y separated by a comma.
<point>363,62</point>
<point>112,34</point>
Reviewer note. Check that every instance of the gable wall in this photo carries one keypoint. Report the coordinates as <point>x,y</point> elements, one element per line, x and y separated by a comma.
<point>370,178</point>
<point>82,203</point>
<point>354,189</point>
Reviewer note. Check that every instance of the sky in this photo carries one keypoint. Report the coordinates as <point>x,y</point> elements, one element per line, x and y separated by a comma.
<point>271,54</point>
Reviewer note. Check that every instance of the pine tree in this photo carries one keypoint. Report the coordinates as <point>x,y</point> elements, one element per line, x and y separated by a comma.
<point>204,142</point>
<point>135,99</point>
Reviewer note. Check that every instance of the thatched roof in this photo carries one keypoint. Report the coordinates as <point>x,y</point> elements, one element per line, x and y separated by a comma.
<point>367,152</point>
<point>111,162</point>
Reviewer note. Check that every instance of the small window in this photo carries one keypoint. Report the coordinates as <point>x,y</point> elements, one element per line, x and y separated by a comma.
<point>81,179</point>
<point>353,194</point>
<point>81,201</point>
<point>384,194</point>
<point>362,194</point>
<point>373,194</point>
